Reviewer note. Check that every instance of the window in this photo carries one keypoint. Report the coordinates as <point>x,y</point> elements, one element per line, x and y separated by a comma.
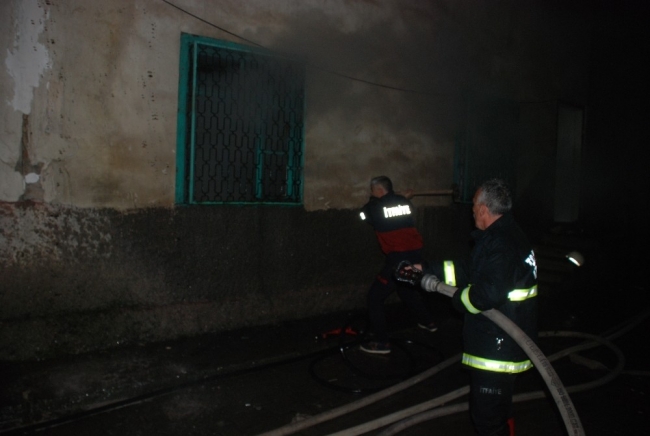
<point>486,146</point>
<point>240,125</point>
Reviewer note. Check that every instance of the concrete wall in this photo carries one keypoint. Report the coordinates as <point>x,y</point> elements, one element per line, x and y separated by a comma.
<point>78,279</point>
<point>81,279</point>
<point>93,249</point>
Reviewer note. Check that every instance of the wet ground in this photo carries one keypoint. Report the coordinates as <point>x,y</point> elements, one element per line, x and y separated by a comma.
<point>254,381</point>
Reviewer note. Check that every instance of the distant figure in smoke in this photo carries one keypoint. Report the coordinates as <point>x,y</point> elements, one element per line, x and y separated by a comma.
<point>392,217</point>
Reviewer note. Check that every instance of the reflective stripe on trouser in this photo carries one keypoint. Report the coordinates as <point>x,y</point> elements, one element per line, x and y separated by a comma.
<point>496,365</point>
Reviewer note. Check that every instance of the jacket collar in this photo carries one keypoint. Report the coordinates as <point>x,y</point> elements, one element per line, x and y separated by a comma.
<point>503,221</point>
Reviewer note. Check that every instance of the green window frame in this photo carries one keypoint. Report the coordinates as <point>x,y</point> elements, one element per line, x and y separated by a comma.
<point>240,125</point>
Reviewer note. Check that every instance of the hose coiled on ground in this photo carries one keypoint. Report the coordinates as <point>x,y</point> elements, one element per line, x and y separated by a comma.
<point>425,411</point>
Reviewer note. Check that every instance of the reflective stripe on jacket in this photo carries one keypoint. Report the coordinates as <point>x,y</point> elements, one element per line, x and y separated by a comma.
<point>393,218</point>
<point>503,276</point>
<point>514,295</point>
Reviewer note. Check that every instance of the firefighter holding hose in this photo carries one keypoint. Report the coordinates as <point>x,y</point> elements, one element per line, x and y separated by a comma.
<point>501,274</point>
<point>392,217</point>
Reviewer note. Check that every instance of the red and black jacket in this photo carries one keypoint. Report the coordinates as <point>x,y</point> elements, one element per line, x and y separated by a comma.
<point>393,218</point>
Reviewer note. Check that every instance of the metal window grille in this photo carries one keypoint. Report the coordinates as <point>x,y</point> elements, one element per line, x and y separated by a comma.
<point>240,125</point>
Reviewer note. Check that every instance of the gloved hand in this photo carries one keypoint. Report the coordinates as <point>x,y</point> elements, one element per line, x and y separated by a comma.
<point>407,273</point>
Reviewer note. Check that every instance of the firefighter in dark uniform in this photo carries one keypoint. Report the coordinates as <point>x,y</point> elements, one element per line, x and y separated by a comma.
<point>392,217</point>
<point>501,274</point>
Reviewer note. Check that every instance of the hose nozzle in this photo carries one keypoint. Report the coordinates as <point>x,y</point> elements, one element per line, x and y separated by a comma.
<point>431,283</point>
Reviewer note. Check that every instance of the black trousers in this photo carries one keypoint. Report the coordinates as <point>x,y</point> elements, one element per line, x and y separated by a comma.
<point>490,401</point>
<point>384,285</point>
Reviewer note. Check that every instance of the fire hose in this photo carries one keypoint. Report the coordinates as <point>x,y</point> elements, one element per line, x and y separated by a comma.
<point>571,419</point>
<point>430,409</point>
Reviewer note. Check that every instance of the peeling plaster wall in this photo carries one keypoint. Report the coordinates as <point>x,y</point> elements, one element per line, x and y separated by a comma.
<point>28,59</point>
<point>25,61</point>
<point>93,248</point>
<point>99,83</point>
<point>101,121</point>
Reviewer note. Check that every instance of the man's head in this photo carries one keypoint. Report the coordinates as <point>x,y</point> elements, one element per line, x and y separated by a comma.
<point>380,186</point>
<point>492,199</point>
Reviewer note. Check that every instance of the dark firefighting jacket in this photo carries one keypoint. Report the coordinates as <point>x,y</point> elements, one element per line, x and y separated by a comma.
<point>502,275</point>
<point>392,217</point>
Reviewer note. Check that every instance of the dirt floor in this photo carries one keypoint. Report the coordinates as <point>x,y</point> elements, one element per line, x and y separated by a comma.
<point>254,381</point>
